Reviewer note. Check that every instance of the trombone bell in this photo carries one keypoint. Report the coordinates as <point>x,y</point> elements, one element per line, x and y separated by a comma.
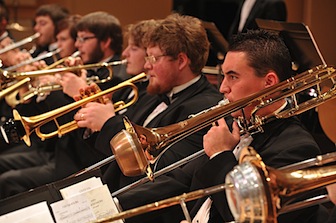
<point>258,190</point>
<point>131,160</point>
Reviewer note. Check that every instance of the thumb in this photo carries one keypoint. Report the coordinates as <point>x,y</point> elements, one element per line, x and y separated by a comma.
<point>235,130</point>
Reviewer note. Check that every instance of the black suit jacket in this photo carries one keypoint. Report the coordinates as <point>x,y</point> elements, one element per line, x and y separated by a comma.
<point>262,9</point>
<point>197,97</point>
<point>283,142</point>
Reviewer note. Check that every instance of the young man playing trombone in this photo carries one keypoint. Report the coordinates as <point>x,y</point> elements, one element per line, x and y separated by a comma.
<point>255,61</point>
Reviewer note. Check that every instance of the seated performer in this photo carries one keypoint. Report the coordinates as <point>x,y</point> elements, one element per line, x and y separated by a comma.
<point>177,50</point>
<point>255,61</point>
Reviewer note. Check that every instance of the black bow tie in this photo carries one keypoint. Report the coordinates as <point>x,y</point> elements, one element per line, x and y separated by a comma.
<point>164,98</point>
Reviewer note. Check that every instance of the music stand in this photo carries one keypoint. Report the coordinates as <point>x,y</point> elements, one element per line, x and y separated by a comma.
<point>216,39</point>
<point>300,42</point>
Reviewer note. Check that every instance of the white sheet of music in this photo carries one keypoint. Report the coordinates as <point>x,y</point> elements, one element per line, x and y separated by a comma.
<point>81,187</point>
<point>37,213</point>
<point>85,207</point>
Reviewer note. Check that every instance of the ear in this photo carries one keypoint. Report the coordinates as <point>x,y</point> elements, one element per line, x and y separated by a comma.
<point>105,44</point>
<point>271,79</point>
<point>183,60</point>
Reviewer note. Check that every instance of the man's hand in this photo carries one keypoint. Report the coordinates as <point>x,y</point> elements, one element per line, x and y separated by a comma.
<point>219,138</point>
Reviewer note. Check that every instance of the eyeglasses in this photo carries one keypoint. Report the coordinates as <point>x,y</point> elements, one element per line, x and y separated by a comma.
<point>153,59</point>
<point>83,39</point>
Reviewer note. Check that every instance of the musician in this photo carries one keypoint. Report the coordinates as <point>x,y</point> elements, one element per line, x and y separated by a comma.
<point>255,61</point>
<point>81,155</point>
<point>45,22</point>
<point>99,39</point>
<point>177,50</point>
<point>66,38</point>
<point>66,35</point>
<point>33,169</point>
<point>250,10</point>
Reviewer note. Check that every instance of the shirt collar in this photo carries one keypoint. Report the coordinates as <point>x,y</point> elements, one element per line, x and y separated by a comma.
<point>180,88</point>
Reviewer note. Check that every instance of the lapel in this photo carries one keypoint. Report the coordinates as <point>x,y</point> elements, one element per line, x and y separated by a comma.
<point>235,22</point>
<point>258,6</point>
<point>143,109</point>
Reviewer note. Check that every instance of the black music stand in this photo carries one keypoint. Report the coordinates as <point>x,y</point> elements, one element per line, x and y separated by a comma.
<point>49,193</point>
<point>218,43</point>
<point>300,42</point>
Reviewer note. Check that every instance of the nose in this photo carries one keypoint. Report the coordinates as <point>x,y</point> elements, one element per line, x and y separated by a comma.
<point>148,65</point>
<point>224,88</point>
<point>125,53</point>
<point>77,44</point>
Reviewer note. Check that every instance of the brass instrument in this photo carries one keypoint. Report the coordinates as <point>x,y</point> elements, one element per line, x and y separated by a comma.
<point>259,200</point>
<point>254,190</point>
<point>32,60</point>
<point>166,203</point>
<point>13,100</point>
<point>19,43</point>
<point>61,61</point>
<point>34,123</point>
<point>14,87</point>
<point>40,90</point>
<point>129,151</point>
<point>20,75</point>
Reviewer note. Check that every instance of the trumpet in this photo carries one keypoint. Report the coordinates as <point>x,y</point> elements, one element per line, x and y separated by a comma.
<point>26,125</point>
<point>40,90</point>
<point>20,43</point>
<point>14,87</point>
<point>129,151</point>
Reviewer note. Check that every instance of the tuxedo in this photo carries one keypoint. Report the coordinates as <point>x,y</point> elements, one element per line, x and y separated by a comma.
<point>283,142</point>
<point>262,9</point>
<point>195,98</point>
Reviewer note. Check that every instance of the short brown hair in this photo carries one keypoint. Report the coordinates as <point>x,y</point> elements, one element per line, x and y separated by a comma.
<point>104,26</point>
<point>182,34</point>
<point>138,30</point>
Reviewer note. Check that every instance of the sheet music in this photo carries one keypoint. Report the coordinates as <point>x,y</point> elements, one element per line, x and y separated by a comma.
<point>81,187</point>
<point>72,210</point>
<point>37,213</point>
<point>85,207</point>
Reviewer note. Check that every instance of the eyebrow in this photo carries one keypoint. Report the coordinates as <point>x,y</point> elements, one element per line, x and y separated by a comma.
<point>230,72</point>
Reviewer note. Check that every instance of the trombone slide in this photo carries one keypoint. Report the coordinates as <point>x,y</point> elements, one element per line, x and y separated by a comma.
<point>19,43</point>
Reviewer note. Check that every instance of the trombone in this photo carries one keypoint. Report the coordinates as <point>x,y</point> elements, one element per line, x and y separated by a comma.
<point>257,200</point>
<point>34,123</point>
<point>260,200</point>
<point>181,199</point>
<point>13,101</point>
<point>32,60</point>
<point>129,151</point>
<point>20,43</point>
<point>20,75</point>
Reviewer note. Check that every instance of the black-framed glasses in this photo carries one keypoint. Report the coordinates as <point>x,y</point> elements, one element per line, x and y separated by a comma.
<point>153,59</point>
<point>83,39</point>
